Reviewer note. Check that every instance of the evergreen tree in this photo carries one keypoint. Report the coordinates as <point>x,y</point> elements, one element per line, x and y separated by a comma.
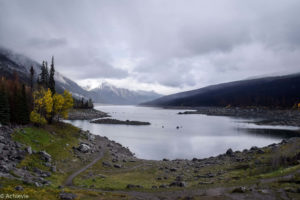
<point>46,84</point>
<point>24,111</point>
<point>4,106</point>
<point>31,77</point>
<point>44,75</point>
<point>14,102</point>
<point>51,77</point>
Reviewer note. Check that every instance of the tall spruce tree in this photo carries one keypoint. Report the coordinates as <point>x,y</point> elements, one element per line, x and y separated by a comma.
<point>51,77</point>
<point>42,78</point>
<point>24,111</point>
<point>4,106</point>
<point>31,78</point>
<point>44,75</point>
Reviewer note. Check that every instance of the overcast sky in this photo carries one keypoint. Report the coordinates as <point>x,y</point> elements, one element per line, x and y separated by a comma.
<point>162,45</point>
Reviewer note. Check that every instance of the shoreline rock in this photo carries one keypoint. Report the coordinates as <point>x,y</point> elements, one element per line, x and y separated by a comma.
<point>116,121</point>
<point>86,114</point>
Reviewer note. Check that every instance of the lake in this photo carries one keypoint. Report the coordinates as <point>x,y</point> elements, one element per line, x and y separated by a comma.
<point>199,136</point>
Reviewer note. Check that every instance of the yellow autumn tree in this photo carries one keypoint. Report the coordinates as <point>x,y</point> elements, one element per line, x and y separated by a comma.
<point>68,104</point>
<point>43,105</point>
<point>47,106</point>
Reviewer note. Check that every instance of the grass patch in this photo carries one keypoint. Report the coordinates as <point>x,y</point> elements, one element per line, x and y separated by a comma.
<point>50,193</point>
<point>57,140</point>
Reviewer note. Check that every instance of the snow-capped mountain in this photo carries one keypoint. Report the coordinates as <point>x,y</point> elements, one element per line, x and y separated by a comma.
<point>11,62</point>
<point>108,93</point>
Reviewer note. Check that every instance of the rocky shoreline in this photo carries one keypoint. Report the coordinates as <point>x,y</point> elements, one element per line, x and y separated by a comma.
<point>12,153</point>
<point>86,114</point>
<point>224,169</point>
<point>120,122</point>
<point>261,116</point>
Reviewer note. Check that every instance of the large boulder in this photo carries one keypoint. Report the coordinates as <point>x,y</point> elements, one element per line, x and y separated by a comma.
<point>29,150</point>
<point>178,184</point>
<point>229,152</point>
<point>67,196</point>
<point>84,148</point>
<point>45,156</point>
<point>131,186</point>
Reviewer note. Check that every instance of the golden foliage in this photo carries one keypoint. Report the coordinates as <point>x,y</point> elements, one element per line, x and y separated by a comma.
<point>37,118</point>
<point>47,105</point>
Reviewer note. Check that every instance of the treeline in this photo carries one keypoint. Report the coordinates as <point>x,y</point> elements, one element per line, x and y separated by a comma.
<point>15,101</point>
<point>48,105</point>
<point>37,103</point>
<point>83,104</point>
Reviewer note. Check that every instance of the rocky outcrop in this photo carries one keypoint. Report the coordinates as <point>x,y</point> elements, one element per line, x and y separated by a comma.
<point>116,121</point>
<point>45,156</point>
<point>11,154</point>
<point>84,148</point>
<point>86,114</point>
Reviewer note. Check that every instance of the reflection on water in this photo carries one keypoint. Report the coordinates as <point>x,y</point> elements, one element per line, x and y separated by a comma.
<point>198,136</point>
<point>273,133</point>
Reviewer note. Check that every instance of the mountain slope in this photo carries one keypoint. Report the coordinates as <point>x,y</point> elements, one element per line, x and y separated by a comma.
<point>107,93</point>
<point>282,91</point>
<point>10,62</point>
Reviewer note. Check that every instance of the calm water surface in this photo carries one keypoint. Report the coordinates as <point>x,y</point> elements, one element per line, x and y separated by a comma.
<point>198,136</point>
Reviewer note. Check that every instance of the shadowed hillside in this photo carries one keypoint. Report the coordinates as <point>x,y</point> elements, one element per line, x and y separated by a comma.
<point>282,91</point>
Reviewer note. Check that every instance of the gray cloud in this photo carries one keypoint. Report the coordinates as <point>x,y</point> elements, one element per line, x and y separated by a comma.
<point>47,43</point>
<point>178,44</point>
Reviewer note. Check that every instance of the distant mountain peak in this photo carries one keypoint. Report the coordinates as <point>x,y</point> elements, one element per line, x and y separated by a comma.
<point>109,93</point>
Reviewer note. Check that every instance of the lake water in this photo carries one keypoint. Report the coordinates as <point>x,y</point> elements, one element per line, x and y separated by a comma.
<point>199,136</point>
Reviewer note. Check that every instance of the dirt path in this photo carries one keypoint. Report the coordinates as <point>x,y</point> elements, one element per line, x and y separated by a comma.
<point>69,181</point>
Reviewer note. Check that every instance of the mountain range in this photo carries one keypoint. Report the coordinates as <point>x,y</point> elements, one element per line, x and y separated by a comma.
<point>277,91</point>
<point>108,93</point>
<point>11,62</point>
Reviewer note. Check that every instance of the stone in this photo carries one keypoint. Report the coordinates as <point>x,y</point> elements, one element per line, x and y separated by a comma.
<point>173,170</point>
<point>163,186</point>
<point>4,168</point>
<point>45,156</point>
<point>239,190</point>
<point>67,196</point>
<point>131,186</point>
<point>254,148</point>
<point>47,164</point>
<point>229,152</point>
<point>53,169</point>
<point>178,184</point>
<point>117,166</point>
<point>106,164</point>
<point>19,188</point>
<point>29,150</point>
<point>84,148</point>
<point>260,151</point>
<point>154,187</point>
<point>91,137</point>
